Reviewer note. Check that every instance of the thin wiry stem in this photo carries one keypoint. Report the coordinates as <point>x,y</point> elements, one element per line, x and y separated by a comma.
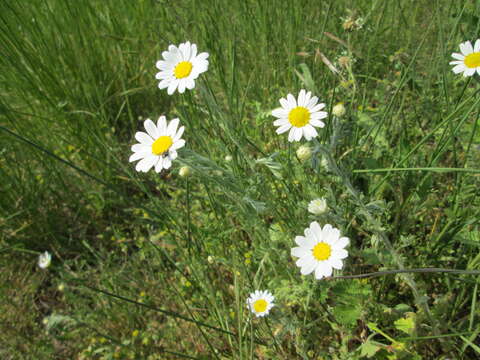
<point>404,271</point>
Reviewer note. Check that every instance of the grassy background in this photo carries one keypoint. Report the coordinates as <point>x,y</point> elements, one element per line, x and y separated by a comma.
<point>77,81</point>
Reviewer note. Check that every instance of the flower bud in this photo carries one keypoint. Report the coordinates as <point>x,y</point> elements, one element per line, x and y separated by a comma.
<point>304,153</point>
<point>339,110</point>
<point>185,171</point>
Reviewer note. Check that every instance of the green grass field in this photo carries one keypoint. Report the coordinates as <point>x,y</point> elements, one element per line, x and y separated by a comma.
<point>159,266</point>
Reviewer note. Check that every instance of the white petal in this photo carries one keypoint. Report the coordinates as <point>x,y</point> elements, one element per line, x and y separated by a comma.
<point>306,260</point>
<point>469,72</point>
<point>476,47</point>
<point>285,104</point>
<point>316,230</point>
<point>308,96</point>
<point>167,163</point>
<point>456,62</point>
<point>291,134</point>
<point>301,98</point>
<point>181,86</point>
<point>333,236</point>
<point>172,127</point>
<point>336,263</point>
<point>164,84</point>
<point>317,123</point>
<point>172,87</point>
<point>141,148</point>
<point>172,154</point>
<point>301,241</point>
<point>466,48</point>
<point>312,102</point>
<point>458,56</point>
<point>300,252</point>
<point>159,165</point>
<point>316,108</point>
<point>292,103</point>
<point>283,128</point>
<point>309,132</point>
<point>202,56</point>
<point>179,133</point>
<point>151,128</point>
<point>162,125</point>
<point>146,163</point>
<point>186,52</point>
<point>297,133</point>
<point>190,84</point>
<point>308,268</point>
<point>137,156</point>
<point>178,144</point>
<point>319,271</point>
<point>143,138</point>
<point>193,51</point>
<point>280,113</point>
<point>341,243</point>
<point>318,115</point>
<point>281,122</point>
<point>165,77</point>
<point>459,68</point>
<point>339,253</point>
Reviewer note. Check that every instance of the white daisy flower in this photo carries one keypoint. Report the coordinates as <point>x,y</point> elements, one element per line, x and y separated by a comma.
<point>320,250</point>
<point>318,206</point>
<point>300,116</point>
<point>180,67</point>
<point>44,260</point>
<point>260,302</point>
<point>158,146</point>
<point>468,61</point>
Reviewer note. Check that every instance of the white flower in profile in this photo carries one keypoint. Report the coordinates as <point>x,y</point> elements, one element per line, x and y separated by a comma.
<point>300,116</point>
<point>158,146</point>
<point>180,67</point>
<point>318,206</point>
<point>320,250</point>
<point>468,62</point>
<point>260,302</point>
<point>44,260</point>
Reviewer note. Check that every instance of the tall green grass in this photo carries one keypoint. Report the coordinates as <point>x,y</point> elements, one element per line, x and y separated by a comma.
<point>151,266</point>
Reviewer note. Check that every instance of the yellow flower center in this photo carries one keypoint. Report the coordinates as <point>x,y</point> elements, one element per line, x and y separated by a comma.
<point>472,60</point>
<point>321,251</point>
<point>161,145</point>
<point>299,117</point>
<point>183,69</point>
<point>260,305</point>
